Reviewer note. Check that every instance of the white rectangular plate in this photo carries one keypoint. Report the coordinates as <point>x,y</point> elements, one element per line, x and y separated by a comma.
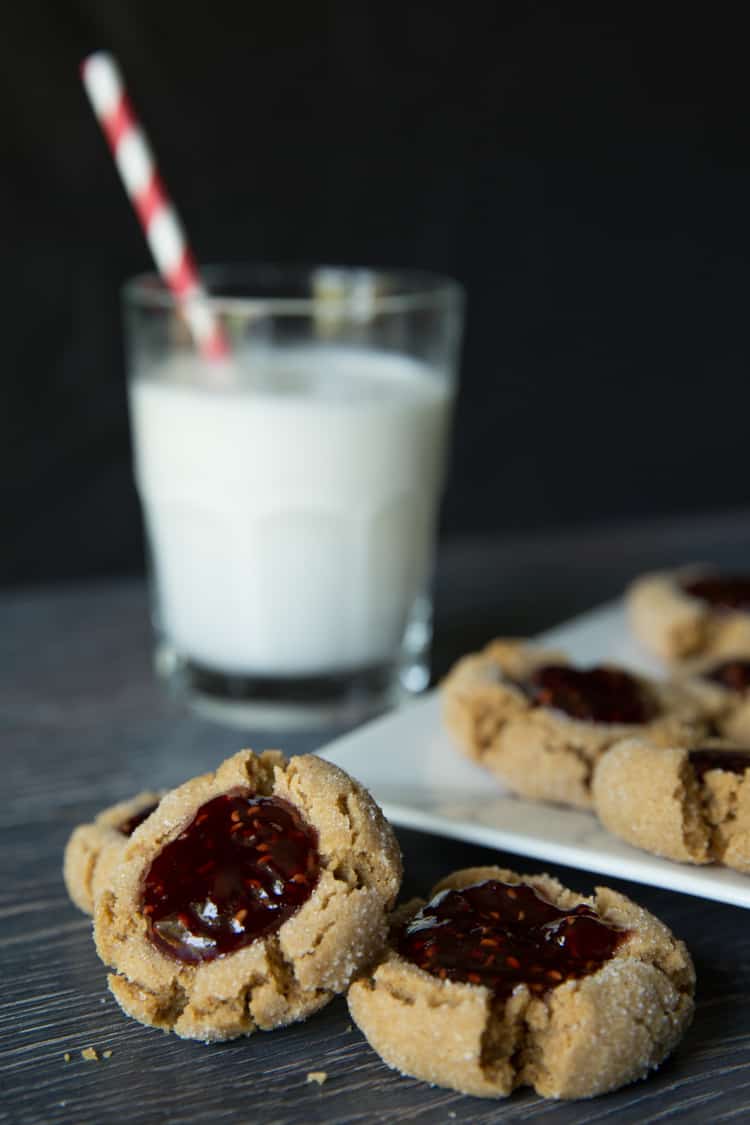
<point>407,762</point>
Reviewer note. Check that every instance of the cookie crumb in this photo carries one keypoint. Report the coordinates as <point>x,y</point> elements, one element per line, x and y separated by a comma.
<point>89,1054</point>
<point>349,1027</point>
<point>106,1054</point>
<point>66,1056</point>
<point>319,1076</point>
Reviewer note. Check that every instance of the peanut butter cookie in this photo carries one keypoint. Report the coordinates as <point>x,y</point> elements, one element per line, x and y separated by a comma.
<point>249,898</point>
<point>690,613</point>
<point>687,803</point>
<point>504,980</point>
<point>540,725</point>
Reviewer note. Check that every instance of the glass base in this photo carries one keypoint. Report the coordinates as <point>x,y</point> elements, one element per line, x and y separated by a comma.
<point>293,703</point>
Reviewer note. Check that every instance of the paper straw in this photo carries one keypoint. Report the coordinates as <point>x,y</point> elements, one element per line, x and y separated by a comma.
<point>156,212</point>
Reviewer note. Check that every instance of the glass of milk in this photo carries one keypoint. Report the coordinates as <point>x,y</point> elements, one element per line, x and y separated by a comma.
<point>290,492</point>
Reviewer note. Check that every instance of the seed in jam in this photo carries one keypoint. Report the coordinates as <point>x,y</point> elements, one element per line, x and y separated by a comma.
<point>601,695</point>
<point>504,934</point>
<point>730,591</point>
<point>732,761</point>
<point>242,866</point>
<point>732,674</point>
<point>128,827</point>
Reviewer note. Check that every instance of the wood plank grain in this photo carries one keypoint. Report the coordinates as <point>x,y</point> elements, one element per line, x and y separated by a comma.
<point>82,724</point>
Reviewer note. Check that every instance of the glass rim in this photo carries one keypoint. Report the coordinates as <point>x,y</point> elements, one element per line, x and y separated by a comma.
<point>412,289</point>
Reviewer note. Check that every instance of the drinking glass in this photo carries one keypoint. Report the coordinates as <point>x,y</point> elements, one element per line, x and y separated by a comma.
<point>290,490</point>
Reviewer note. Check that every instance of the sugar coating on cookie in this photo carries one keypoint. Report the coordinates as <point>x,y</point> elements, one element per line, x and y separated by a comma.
<point>249,899</point>
<point>689,613</point>
<point>94,849</point>
<point>539,725</point>
<point>688,803</point>
<point>494,1004</point>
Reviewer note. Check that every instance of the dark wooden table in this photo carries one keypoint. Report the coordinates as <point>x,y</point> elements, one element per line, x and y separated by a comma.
<point>83,724</point>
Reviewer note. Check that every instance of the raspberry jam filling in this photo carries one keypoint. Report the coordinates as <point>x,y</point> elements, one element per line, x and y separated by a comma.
<point>502,934</point>
<point>731,761</point>
<point>722,592</point>
<point>601,695</point>
<point>129,826</point>
<point>242,866</point>
<point>732,674</point>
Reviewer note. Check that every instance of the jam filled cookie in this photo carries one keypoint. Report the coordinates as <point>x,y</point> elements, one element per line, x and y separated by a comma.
<point>691,613</point>
<point>503,980</point>
<point>551,722</point>
<point>249,899</point>
<point>692,805</point>
<point>93,850</point>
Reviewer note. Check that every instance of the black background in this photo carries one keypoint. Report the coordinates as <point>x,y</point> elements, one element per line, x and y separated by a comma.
<point>582,168</point>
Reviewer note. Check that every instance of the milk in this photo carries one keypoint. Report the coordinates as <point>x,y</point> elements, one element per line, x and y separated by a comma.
<point>291,507</point>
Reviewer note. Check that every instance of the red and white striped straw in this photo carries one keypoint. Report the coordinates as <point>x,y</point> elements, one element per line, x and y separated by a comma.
<point>145,188</point>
